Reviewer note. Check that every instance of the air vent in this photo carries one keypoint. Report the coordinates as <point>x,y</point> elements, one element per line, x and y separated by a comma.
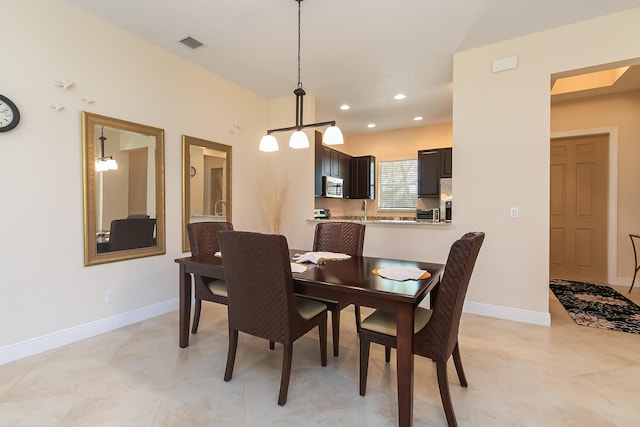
<point>191,42</point>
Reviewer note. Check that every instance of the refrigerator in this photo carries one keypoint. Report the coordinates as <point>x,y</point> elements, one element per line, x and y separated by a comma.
<point>446,199</point>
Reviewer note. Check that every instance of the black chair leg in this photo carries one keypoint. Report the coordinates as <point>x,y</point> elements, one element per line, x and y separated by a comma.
<point>387,354</point>
<point>445,396</point>
<point>322,332</point>
<point>286,373</point>
<point>231,355</point>
<point>335,327</point>
<point>364,364</point>
<point>196,316</point>
<point>457,360</point>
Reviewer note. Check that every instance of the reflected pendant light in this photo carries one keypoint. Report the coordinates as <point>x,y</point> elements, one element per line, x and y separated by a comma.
<point>104,163</point>
<point>332,135</point>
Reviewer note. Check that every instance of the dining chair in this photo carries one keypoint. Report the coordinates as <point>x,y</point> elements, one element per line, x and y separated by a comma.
<point>261,299</point>
<point>345,238</point>
<point>436,329</point>
<point>131,233</point>
<point>203,241</point>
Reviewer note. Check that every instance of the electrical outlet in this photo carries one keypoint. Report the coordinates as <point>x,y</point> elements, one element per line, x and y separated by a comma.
<point>108,296</point>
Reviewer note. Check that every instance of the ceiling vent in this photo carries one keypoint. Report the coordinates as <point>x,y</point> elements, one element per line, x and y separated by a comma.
<point>191,42</point>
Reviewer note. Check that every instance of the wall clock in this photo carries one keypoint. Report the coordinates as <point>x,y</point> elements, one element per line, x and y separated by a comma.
<point>9,114</point>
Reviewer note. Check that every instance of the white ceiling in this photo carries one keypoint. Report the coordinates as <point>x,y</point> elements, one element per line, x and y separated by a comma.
<point>359,52</point>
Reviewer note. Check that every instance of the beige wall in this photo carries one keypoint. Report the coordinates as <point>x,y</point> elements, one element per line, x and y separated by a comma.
<point>621,112</point>
<point>41,167</point>
<point>501,149</point>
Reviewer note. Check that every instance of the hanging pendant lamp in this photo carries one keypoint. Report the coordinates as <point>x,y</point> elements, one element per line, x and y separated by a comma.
<point>104,163</point>
<point>332,135</point>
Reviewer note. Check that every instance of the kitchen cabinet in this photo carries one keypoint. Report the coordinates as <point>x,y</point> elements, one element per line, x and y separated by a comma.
<point>362,182</point>
<point>433,165</point>
<point>330,162</point>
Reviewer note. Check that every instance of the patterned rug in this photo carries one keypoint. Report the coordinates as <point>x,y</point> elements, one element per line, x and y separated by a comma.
<point>597,306</point>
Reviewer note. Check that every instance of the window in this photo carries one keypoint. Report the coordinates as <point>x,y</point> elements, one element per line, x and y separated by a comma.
<point>398,185</point>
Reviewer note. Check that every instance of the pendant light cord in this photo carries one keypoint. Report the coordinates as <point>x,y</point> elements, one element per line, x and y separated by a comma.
<point>299,80</point>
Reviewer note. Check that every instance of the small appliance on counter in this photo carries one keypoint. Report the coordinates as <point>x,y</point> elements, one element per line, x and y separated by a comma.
<point>446,198</point>
<point>428,214</point>
<point>321,214</point>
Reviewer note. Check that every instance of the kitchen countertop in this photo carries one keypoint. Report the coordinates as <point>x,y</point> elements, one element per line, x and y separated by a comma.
<point>380,220</point>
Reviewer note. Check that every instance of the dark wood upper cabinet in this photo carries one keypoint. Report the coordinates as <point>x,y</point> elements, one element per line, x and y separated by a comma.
<point>363,177</point>
<point>433,165</point>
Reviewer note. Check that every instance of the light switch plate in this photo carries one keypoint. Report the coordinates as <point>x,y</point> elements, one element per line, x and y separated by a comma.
<point>513,213</point>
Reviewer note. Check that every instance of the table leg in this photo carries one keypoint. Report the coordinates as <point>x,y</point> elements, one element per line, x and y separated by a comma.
<point>405,364</point>
<point>185,306</point>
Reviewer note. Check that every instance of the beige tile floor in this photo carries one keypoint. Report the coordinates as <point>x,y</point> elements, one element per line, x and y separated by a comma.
<point>519,375</point>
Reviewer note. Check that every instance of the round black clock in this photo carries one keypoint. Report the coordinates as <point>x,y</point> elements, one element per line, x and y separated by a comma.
<point>9,114</point>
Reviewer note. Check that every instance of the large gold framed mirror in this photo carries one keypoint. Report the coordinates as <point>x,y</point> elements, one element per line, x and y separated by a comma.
<point>206,183</point>
<point>123,189</point>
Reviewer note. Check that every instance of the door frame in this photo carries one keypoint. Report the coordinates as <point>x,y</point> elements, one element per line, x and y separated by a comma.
<point>612,211</point>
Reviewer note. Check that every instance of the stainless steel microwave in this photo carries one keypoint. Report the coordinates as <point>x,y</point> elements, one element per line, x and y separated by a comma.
<point>332,186</point>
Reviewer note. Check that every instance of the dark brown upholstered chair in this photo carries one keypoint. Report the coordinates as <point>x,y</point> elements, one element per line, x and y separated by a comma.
<point>436,330</point>
<point>203,240</point>
<point>131,233</point>
<point>345,238</point>
<point>261,299</point>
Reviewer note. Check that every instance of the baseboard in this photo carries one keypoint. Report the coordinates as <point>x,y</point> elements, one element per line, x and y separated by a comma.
<point>508,313</point>
<point>47,342</point>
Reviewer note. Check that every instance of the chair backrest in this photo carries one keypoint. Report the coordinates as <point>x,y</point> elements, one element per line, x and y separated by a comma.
<point>259,283</point>
<point>131,233</point>
<point>340,237</point>
<point>203,239</point>
<point>438,339</point>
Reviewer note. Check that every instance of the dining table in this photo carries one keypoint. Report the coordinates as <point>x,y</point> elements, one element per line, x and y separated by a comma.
<point>352,281</point>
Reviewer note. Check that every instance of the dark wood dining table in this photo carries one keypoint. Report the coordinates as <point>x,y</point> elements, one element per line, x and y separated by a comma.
<point>351,281</point>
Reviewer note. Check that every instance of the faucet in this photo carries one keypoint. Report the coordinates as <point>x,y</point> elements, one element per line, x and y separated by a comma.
<point>363,208</point>
<point>222,204</point>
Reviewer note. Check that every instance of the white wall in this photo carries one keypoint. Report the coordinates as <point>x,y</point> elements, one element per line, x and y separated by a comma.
<point>45,288</point>
<point>501,149</point>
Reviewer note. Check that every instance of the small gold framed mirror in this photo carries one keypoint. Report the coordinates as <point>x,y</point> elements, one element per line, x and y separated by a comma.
<point>123,189</point>
<point>206,183</point>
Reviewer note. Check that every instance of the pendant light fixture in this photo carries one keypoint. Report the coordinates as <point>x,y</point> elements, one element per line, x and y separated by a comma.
<point>104,163</point>
<point>332,135</point>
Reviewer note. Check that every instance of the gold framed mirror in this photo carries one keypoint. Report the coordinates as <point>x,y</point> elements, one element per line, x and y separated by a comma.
<point>206,183</point>
<point>123,189</point>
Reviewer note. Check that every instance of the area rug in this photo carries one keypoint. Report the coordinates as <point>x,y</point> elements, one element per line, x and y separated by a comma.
<point>597,306</point>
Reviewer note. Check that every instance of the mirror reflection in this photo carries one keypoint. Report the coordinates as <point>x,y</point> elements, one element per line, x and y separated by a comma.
<point>206,183</point>
<point>123,189</point>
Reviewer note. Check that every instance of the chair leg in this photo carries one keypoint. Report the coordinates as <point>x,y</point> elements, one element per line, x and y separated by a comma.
<point>365,344</point>
<point>231,355</point>
<point>445,396</point>
<point>387,354</point>
<point>335,327</point>
<point>286,373</point>
<point>322,332</point>
<point>457,360</point>
<point>635,273</point>
<point>196,316</point>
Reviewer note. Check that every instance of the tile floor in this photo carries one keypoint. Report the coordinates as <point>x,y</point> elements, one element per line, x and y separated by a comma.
<point>519,375</point>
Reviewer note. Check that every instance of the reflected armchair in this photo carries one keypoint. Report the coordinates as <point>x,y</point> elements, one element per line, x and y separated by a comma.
<point>131,233</point>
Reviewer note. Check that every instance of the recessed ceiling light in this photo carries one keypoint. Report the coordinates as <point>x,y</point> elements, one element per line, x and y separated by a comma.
<point>371,125</point>
<point>344,107</point>
<point>400,96</point>
<point>417,118</point>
